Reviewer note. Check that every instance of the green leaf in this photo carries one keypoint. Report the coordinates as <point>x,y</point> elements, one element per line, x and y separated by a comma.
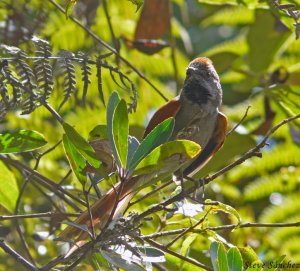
<point>20,140</point>
<point>186,244</point>
<point>9,190</point>
<point>113,102</point>
<point>235,261</point>
<point>214,255</point>
<point>264,42</point>
<point>138,3</point>
<point>159,135</point>
<point>222,258</point>
<point>249,256</point>
<point>76,160</point>
<point>219,206</point>
<point>120,133</point>
<point>158,158</point>
<point>82,146</point>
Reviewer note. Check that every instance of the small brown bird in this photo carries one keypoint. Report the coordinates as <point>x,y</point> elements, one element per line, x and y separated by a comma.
<point>197,118</point>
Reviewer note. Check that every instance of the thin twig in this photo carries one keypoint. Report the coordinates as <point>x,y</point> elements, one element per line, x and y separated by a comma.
<point>28,265</point>
<point>240,122</point>
<point>37,215</point>
<point>223,227</point>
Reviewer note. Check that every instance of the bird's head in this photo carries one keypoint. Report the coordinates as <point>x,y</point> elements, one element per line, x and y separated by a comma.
<point>202,83</point>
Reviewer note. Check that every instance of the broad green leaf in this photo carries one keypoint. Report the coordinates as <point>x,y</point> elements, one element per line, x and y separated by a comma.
<point>120,133</point>
<point>222,258</point>
<point>249,257</point>
<point>159,135</point>
<point>76,160</point>
<point>265,42</point>
<point>158,158</point>
<point>9,190</point>
<point>133,144</point>
<point>235,261</point>
<point>219,206</point>
<point>20,140</point>
<point>214,255</point>
<point>82,146</point>
<point>113,102</point>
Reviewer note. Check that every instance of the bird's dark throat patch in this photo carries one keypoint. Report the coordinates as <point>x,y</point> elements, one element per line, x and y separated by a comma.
<point>196,92</point>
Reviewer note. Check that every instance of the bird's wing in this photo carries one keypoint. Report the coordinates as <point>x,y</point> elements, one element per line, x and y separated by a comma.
<point>213,145</point>
<point>168,110</point>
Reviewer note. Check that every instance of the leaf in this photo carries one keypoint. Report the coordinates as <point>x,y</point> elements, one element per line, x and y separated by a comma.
<point>82,146</point>
<point>113,102</point>
<point>222,258</point>
<point>219,206</point>
<point>120,133</point>
<point>249,256</point>
<point>151,254</point>
<point>133,144</point>
<point>261,54</point>
<point>214,255</point>
<point>186,244</point>
<point>9,190</point>
<point>116,260</point>
<point>235,261</point>
<point>157,158</point>
<point>69,7</point>
<point>20,140</point>
<point>76,160</point>
<point>138,3</point>
<point>159,135</point>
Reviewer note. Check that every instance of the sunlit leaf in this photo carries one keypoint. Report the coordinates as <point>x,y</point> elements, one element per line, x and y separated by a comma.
<point>9,190</point>
<point>120,133</point>
<point>235,261</point>
<point>214,255</point>
<point>222,258</point>
<point>159,135</point>
<point>219,206</point>
<point>138,3</point>
<point>20,140</point>
<point>98,132</point>
<point>82,146</point>
<point>76,160</point>
<point>158,158</point>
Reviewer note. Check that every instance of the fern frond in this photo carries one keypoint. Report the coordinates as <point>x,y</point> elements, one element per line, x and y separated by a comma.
<point>85,72</point>
<point>99,79</point>
<point>69,76</point>
<point>266,185</point>
<point>280,213</point>
<point>43,68</point>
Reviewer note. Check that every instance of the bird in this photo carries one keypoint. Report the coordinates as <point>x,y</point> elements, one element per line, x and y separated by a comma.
<point>197,118</point>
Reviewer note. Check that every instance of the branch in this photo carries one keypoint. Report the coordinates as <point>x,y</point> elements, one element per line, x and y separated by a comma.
<point>223,227</point>
<point>17,256</point>
<point>37,215</point>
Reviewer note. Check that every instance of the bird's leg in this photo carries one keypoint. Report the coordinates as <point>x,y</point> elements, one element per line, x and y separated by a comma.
<point>198,184</point>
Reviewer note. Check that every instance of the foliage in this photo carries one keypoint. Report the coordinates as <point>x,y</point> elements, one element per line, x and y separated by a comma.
<point>63,79</point>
